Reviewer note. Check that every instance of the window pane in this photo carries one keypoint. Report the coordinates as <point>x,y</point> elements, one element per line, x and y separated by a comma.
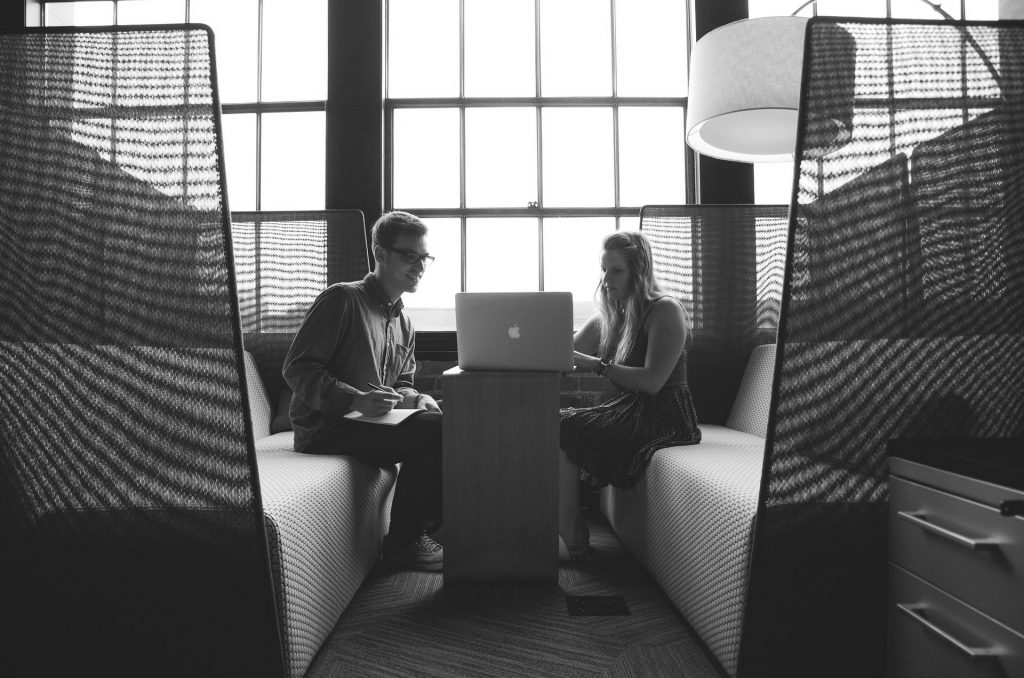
<point>501,157</point>
<point>576,55</point>
<point>292,165</point>
<point>773,183</point>
<point>987,10</point>
<point>235,28</point>
<point>150,12</point>
<point>915,9</point>
<point>444,277</point>
<point>240,159</point>
<point>500,54</point>
<point>572,254</point>
<point>578,157</point>
<point>294,50</point>
<point>762,8</point>
<point>572,260</point>
<point>79,14</point>
<point>426,158</point>
<point>629,223</point>
<point>652,156</point>
<point>423,48</point>
<point>861,8</point>
<point>502,255</point>
<point>650,39</point>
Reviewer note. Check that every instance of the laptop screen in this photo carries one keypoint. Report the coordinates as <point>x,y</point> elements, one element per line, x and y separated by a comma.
<point>529,331</point>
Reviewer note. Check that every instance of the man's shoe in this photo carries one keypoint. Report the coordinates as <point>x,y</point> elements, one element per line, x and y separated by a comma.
<point>423,553</point>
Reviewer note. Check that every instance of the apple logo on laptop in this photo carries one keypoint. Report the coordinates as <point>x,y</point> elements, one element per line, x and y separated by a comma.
<point>513,332</point>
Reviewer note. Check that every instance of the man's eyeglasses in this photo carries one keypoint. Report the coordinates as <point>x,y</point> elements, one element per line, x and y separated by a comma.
<point>412,257</point>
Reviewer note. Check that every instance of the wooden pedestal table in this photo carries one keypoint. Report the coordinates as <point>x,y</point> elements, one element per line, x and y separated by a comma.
<point>500,476</point>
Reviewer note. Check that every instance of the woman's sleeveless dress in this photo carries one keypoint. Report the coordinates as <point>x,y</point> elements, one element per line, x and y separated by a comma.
<point>613,442</point>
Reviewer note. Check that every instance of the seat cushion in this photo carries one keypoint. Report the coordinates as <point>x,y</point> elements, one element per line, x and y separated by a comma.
<point>326,517</point>
<point>753,400</point>
<point>690,520</point>
<point>259,402</point>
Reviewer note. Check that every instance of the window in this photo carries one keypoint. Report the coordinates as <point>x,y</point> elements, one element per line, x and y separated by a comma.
<point>272,77</point>
<point>523,131</point>
<point>773,182</point>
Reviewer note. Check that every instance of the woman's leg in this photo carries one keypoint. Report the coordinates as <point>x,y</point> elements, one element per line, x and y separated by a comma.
<point>570,523</point>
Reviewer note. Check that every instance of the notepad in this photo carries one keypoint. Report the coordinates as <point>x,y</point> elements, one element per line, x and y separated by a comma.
<point>389,419</point>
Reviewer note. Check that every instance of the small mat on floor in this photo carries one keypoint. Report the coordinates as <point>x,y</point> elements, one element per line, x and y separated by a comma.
<point>596,606</point>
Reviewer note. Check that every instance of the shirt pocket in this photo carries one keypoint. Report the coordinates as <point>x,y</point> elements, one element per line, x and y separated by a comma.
<point>396,362</point>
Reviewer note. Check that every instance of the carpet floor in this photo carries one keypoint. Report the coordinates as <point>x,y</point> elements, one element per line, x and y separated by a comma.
<point>405,624</point>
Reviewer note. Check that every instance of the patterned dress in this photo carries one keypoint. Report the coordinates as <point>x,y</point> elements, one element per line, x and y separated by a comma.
<point>613,442</point>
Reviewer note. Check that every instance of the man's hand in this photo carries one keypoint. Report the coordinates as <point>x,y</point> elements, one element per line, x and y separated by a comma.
<point>376,402</point>
<point>427,403</point>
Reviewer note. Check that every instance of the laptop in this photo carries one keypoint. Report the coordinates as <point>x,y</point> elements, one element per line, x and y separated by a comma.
<point>500,331</point>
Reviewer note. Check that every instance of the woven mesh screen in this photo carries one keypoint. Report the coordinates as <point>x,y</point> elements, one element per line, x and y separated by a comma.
<point>725,262</point>
<point>903,315</point>
<point>283,260</point>
<point>129,505</point>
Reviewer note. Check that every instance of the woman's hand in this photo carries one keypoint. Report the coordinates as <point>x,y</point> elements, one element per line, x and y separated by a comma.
<point>375,403</point>
<point>584,362</point>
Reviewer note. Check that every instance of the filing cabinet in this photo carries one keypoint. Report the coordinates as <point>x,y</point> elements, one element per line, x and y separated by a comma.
<point>956,568</point>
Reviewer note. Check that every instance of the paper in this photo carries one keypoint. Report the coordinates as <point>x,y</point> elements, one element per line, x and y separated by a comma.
<point>390,419</point>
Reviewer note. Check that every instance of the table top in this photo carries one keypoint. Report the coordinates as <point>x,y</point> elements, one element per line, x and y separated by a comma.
<point>994,460</point>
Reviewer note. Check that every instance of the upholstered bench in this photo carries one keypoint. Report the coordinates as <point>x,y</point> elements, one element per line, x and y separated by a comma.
<point>325,517</point>
<point>690,520</point>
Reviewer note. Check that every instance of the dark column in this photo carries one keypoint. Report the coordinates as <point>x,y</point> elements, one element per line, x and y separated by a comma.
<point>721,181</point>
<point>726,250</point>
<point>12,14</point>
<point>355,107</point>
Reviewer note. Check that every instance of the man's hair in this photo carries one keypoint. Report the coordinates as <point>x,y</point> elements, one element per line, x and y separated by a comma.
<point>393,224</point>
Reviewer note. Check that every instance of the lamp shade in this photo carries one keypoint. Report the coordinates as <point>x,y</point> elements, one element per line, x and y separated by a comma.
<point>745,91</point>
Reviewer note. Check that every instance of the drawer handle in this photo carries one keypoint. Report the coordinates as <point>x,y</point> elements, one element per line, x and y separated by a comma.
<point>914,611</point>
<point>956,537</point>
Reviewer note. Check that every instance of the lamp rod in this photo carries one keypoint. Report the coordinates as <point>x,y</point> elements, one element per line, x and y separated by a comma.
<point>948,17</point>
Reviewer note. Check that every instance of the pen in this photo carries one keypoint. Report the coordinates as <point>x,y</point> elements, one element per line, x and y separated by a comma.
<point>378,387</point>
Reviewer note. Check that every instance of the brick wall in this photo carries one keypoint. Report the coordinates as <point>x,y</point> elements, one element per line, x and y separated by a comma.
<point>578,390</point>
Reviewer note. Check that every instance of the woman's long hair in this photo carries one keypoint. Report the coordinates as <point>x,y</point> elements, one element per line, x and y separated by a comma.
<point>622,320</point>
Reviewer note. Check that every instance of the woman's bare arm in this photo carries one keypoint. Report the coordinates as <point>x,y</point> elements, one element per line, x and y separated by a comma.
<point>666,335</point>
<point>587,340</point>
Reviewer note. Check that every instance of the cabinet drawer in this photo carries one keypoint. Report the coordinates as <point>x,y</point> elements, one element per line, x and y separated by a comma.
<point>963,547</point>
<point>932,635</point>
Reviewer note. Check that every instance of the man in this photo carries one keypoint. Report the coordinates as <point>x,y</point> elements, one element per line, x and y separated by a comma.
<point>354,353</point>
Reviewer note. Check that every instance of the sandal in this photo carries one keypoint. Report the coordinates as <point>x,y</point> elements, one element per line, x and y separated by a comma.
<point>580,547</point>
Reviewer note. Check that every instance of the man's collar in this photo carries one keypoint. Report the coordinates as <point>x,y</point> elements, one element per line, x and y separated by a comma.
<point>381,297</point>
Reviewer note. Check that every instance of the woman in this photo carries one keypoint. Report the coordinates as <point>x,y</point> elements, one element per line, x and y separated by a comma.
<point>636,341</point>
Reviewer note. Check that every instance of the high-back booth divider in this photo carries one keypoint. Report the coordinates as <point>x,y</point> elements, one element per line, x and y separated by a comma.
<point>902,316</point>
<point>132,533</point>
<point>725,262</point>
<point>283,260</point>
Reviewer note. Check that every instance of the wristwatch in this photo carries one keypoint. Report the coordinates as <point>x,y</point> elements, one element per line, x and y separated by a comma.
<point>602,367</point>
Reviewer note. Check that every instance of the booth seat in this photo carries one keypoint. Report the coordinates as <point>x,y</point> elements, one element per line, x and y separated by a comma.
<point>326,516</point>
<point>690,520</point>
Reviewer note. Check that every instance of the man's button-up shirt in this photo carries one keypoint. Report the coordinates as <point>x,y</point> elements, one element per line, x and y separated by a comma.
<point>352,335</point>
